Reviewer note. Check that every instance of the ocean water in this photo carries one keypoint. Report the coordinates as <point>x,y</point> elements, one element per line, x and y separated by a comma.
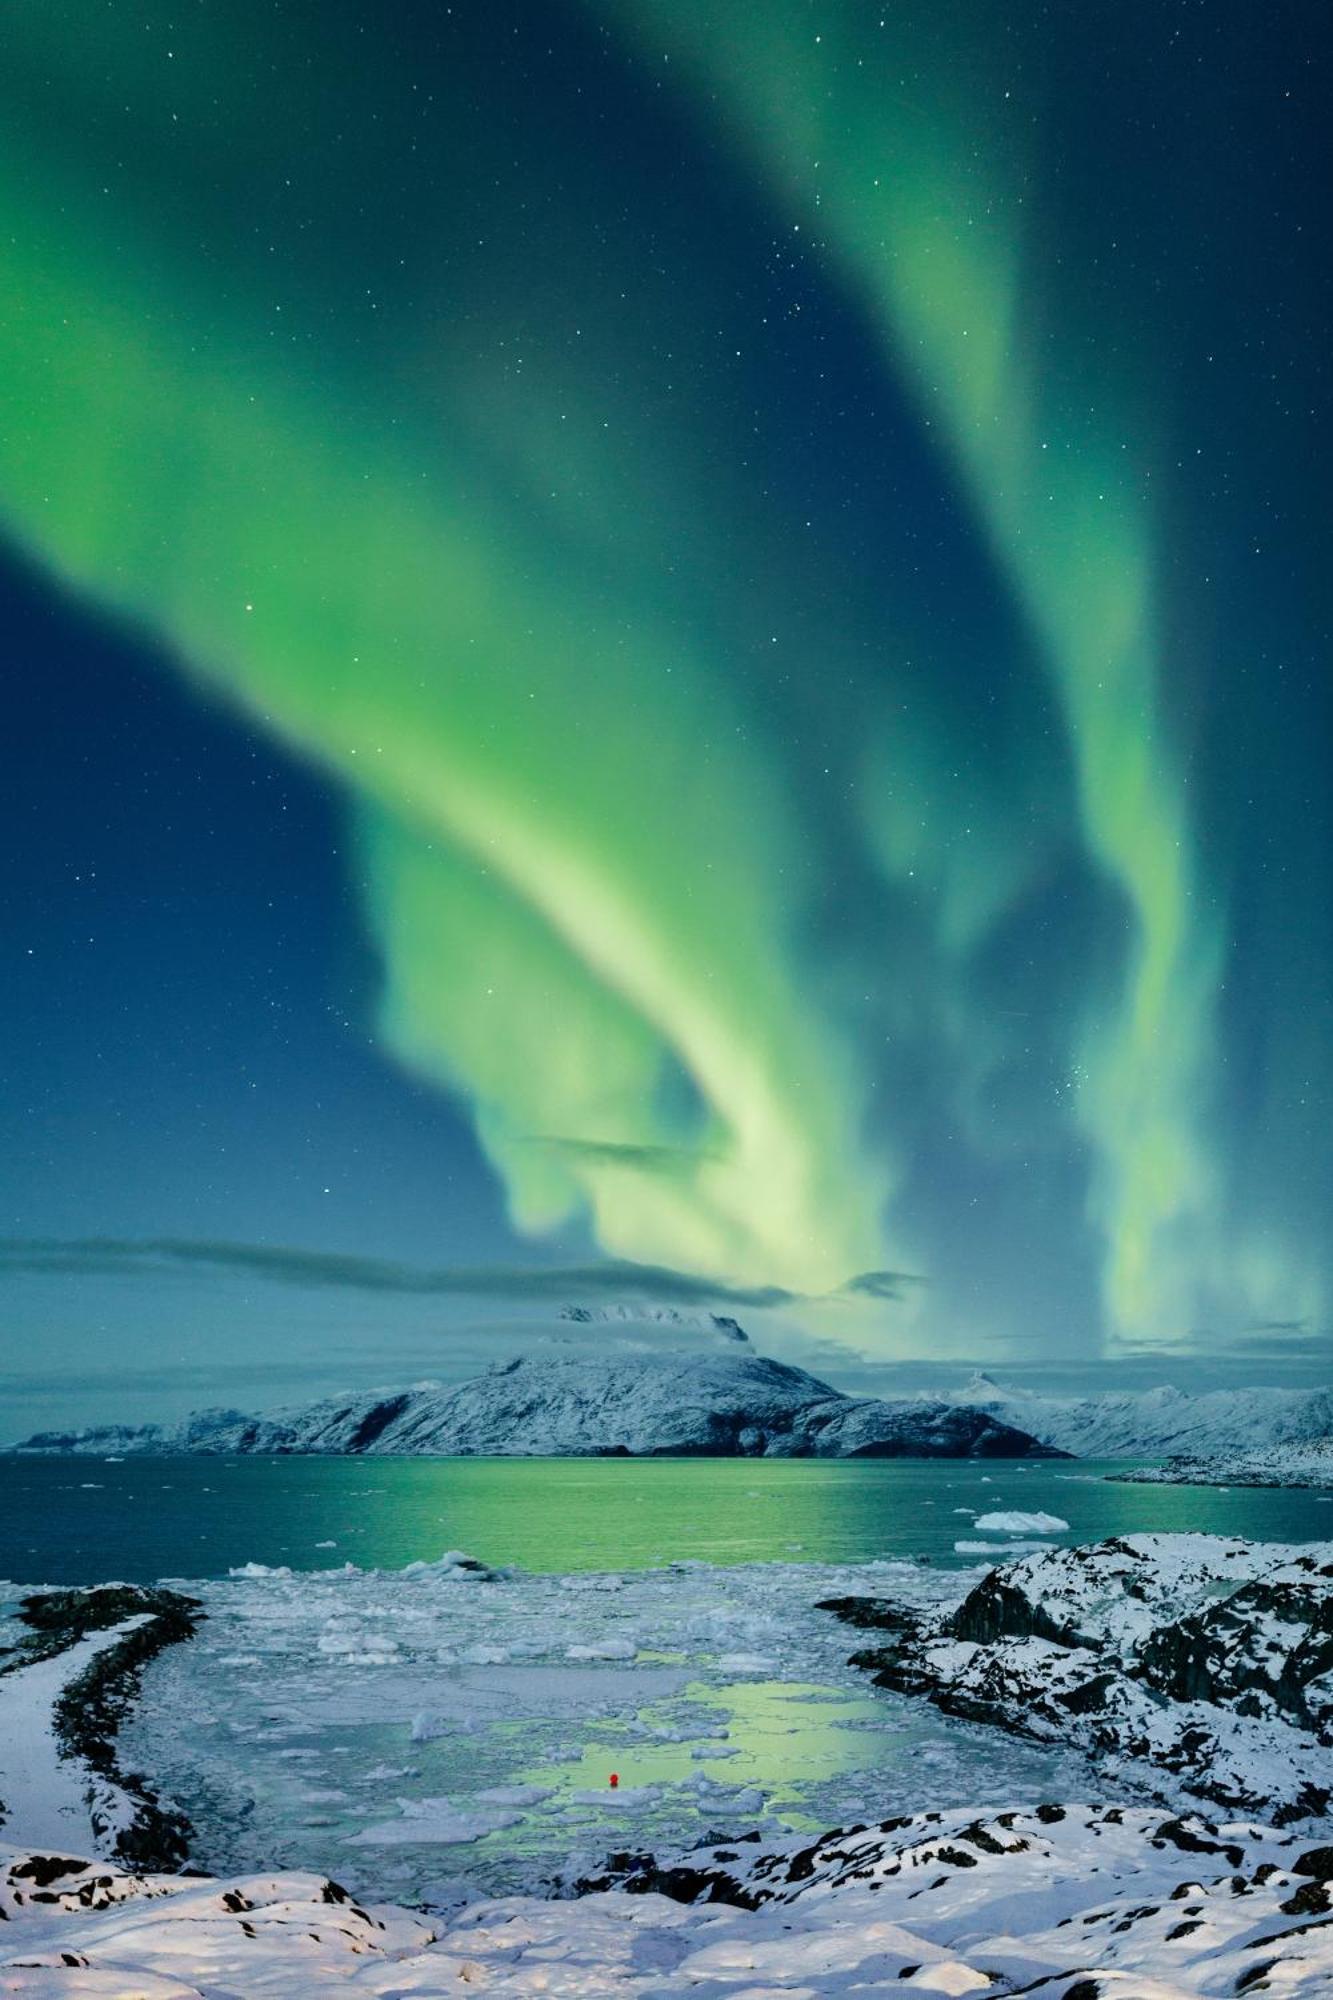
<point>82,1520</point>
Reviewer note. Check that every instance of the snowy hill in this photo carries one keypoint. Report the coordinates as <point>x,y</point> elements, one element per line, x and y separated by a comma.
<point>1155,1423</point>
<point>710,1403</point>
<point>1070,1902</point>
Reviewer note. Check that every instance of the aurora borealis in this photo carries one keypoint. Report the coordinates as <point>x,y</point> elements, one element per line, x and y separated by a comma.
<point>791,537</point>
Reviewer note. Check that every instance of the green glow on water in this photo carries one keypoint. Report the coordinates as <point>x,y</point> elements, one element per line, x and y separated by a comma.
<point>81,1520</point>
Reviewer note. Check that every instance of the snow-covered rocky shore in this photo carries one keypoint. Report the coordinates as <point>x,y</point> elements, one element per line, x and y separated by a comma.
<point>1070,1903</point>
<point>1184,1664</point>
<point>66,1687</point>
<point>1307,1464</point>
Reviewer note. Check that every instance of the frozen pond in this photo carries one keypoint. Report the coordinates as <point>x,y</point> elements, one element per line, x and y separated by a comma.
<point>402,1731</point>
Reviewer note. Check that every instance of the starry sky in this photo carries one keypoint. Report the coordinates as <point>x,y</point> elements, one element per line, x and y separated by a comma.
<point>669,650</point>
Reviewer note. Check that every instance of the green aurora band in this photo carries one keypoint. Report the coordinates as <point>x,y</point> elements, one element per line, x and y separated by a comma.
<point>913,179</point>
<point>584,924</point>
<point>492,616</point>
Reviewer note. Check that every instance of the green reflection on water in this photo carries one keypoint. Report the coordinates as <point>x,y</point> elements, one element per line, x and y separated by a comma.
<point>81,1520</point>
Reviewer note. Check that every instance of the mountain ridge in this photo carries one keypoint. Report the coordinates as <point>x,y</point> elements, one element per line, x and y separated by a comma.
<point>1159,1422</point>
<point>713,1403</point>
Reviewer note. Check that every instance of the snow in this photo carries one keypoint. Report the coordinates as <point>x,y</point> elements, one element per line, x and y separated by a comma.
<point>1065,1901</point>
<point>51,1799</point>
<point>451,1671</point>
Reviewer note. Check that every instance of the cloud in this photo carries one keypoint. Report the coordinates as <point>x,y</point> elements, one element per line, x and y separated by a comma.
<point>880,1285</point>
<point>643,1159</point>
<point>156,1257</point>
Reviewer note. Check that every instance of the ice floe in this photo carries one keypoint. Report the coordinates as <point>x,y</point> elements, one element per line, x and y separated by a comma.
<point>1013,1522</point>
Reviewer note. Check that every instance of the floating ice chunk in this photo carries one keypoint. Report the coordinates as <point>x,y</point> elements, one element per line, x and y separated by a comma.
<point>358,1647</point>
<point>702,1751</point>
<point>514,1795</point>
<point>454,1566</point>
<point>427,1726</point>
<point>326,1545</point>
<point>1016,1548</point>
<point>712,1795</point>
<point>603,1649</point>
<point>747,1663</point>
<point>625,1798</point>
<point>1014,1523</point>
<point>432,1822</point>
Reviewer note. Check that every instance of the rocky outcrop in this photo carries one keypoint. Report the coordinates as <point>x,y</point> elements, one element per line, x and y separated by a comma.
<point>1307,1463</point>
<point>1186,1663</point>
<point>712,1405</point>
<point>857,1427</point>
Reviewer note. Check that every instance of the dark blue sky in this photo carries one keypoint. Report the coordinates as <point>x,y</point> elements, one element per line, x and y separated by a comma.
<point>188,1050</point>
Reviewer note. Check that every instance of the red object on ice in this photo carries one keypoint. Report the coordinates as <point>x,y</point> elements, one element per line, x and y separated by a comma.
<point>615,1779</point>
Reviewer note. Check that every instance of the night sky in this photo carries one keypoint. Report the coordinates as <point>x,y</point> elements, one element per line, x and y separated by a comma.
<point>663,634</point>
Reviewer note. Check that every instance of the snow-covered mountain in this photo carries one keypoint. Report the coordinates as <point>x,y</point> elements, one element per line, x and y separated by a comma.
<point>710,1403</point>
<point>1155,1423</point>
